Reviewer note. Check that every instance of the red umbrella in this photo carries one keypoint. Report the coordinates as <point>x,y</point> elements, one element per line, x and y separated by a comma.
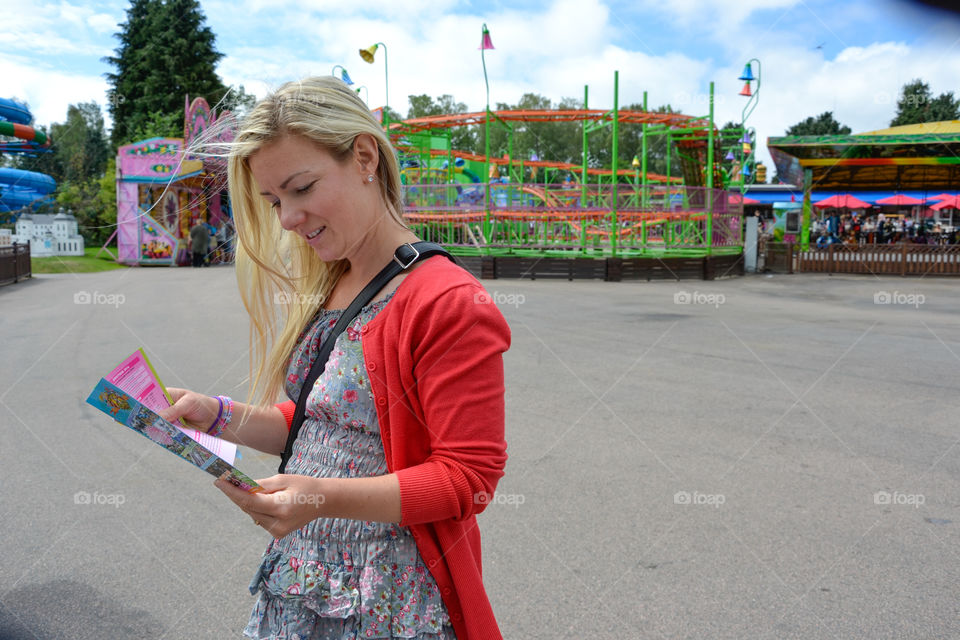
<point>843,201</point>
<point>953,202</point>
<point>939,197</point>
<point>736,198</point>
<point>900,199</point>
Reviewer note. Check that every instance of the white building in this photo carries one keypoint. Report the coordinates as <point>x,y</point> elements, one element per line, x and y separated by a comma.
<point>49,235</point>
<point>6,237</point>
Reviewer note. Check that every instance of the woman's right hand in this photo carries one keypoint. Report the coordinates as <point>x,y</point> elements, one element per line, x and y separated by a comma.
<point>197,410</point>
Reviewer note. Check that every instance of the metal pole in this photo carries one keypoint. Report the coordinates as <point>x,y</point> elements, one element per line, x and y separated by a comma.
<point>709,239</point>
<point>486,151</point>
<point>643,157</point>
<point>616,161</point>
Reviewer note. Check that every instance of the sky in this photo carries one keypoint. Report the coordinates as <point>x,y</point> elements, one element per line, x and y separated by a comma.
<point>850,57</point>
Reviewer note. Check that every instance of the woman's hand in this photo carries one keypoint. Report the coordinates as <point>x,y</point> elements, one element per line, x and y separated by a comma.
<point>286,503</point>
<point>198,410</point>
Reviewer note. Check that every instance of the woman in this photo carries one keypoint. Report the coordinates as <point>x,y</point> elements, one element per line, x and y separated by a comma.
<point>402,444</point>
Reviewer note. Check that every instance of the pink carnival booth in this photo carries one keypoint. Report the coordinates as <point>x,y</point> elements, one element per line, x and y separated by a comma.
<point>163,190</point>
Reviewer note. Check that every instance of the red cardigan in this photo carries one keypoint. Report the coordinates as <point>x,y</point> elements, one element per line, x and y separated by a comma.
<point>434,357</point>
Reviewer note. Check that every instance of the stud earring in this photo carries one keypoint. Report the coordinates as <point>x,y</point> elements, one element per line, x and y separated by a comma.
<point>370,178</point>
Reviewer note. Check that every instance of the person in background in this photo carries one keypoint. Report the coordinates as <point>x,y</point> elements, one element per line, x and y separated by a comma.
<point>199,243</point>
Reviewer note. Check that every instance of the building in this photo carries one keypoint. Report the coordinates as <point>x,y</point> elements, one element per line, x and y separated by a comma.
<point>49,235</point>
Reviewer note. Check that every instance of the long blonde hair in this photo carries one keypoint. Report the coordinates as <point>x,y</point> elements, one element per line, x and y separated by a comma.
<point>282,280</point>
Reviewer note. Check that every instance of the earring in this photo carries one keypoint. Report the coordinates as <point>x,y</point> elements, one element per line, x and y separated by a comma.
<point>370,178</point>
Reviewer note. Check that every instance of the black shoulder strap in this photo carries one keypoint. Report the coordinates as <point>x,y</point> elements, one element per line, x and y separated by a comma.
<point>403,258</point>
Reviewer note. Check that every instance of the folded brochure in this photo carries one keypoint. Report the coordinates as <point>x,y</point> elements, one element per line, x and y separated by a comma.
<point>123,408</point>
<point>136,376</point>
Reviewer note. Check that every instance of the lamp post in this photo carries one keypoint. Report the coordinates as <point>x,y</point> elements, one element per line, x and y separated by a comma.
<point>343,74</point>
<point>752,94</point>
<point>367,55</point>
<point>486,43</point>
<point>365,92</point>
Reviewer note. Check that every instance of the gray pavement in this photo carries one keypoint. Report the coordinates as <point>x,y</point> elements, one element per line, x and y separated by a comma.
<point>776,458</point>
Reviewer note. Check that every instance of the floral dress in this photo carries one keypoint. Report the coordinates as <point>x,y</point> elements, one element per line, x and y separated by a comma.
<point>336,578</point>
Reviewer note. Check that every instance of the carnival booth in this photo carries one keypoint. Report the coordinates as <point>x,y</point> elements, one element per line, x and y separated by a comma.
<point>163,190</point>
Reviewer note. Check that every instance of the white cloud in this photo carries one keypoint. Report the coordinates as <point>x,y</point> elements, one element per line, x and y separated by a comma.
<point>49,92</point>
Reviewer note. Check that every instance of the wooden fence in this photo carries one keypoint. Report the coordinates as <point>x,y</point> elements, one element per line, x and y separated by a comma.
<point>14,263</point>
<point>877,259</point>
<point>609,269</point>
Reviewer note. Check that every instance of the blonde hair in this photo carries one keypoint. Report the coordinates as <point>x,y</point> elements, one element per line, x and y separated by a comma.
<point>282,280</point>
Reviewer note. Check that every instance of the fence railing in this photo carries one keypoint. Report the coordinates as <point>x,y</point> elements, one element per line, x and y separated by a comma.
<point>575,219</point>
<point>878,259</point>
<point>14,262</point>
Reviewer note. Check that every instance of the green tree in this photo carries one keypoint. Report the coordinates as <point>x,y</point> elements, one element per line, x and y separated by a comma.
<point>822,125</point>
<point>80,143</point>
<point>917,104</point>
<point>166,52</point>
<point>422,106</point>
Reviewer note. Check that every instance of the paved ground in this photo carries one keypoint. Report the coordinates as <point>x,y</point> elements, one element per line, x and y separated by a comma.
<point>775,459</point>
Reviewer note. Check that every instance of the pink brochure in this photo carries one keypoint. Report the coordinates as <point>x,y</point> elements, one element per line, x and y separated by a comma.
<point>136,376</point>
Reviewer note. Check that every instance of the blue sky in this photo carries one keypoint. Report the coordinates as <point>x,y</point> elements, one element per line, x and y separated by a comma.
<point>849,57</point>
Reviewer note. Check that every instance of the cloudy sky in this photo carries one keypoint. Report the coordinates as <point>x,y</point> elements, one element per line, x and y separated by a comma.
<point>846,56</point>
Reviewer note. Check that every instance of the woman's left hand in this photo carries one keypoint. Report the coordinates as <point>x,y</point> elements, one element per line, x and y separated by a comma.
<point>286,503</point>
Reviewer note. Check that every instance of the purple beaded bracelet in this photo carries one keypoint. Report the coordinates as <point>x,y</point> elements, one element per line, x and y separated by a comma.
<point>224,415</point>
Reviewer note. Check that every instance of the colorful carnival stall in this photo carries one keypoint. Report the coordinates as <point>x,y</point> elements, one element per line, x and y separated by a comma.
<point>164,189</point>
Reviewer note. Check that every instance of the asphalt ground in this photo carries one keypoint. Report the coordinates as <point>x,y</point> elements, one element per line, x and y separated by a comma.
<point>757,457</point>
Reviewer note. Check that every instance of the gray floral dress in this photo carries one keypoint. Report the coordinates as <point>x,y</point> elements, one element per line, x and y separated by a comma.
<point>336,578</point>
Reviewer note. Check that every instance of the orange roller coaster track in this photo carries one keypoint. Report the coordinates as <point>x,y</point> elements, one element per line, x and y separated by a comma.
<point>550,115</point>
<point>446,121</point>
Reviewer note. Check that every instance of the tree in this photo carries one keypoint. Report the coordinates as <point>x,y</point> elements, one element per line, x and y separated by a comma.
<point>822,125</point>
<point>422,106</point>
<point>166,52</point>
<point>916,104</point>
<point>80,143</point>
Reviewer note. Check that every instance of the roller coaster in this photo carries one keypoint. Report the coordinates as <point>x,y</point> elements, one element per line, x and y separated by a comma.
<point>595,212</point>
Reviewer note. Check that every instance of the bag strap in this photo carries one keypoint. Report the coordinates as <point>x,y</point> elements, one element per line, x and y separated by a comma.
<point>403,258</point>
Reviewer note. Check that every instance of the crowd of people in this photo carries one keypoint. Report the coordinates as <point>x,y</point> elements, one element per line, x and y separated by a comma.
<point>209,244</point>
<point>859,229</point>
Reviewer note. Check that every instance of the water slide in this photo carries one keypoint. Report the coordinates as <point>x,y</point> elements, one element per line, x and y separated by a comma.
<point>20,188</point>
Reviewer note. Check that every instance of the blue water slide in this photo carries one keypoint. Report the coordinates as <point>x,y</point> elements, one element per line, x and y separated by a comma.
<point>20,188</point>
<point>13,111</point>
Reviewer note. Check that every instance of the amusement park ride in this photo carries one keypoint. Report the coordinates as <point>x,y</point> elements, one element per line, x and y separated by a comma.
<point>593,213</point>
